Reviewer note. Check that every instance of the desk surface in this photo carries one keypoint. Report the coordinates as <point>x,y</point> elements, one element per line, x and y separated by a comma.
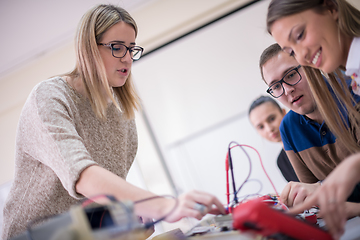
<point>352,231</point>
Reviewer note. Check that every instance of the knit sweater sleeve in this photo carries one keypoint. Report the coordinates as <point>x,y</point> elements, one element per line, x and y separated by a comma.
<point>48,133</point>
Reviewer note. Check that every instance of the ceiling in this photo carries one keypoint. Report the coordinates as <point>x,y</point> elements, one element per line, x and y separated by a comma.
<point>30,28</point>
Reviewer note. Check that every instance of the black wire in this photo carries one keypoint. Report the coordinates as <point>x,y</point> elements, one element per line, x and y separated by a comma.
<point>128,213</point>
<point>37,220</point>
<point>113,199</point>
<point>250,167</point>
<point>257,193</point>
<point>129,216</point>
<point>150,224</point>
<point>232,172</point>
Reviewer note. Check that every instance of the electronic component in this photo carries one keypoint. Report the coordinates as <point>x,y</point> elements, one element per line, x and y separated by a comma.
<point>215,224</point>
<point>117,221</point>
<point>259,216</point>
<point>265,215</point>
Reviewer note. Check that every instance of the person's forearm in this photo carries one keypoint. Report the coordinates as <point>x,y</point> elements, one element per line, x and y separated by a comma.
<point>96,180</point>
<point>352,209</point>
<point>355,166</point>
<point>347,172</point>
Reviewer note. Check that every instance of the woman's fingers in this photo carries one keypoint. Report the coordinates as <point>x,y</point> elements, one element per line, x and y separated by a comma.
<point>196,204</point>
<point>332,210</point>
<point>206,199</point>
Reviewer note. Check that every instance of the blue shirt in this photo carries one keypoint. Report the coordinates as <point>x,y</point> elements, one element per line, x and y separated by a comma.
<point>311,147</point>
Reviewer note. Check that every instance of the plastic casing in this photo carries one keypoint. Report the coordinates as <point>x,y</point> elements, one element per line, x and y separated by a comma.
<point>258,216</point>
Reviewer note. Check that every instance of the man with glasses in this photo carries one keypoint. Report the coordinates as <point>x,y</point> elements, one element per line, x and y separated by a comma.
<point>311,147</point>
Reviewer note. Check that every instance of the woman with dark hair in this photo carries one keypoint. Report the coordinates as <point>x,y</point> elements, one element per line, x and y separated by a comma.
<point>265,115</point>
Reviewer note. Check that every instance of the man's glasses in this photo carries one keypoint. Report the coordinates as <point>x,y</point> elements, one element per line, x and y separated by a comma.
<point>119,50</point>
<point>291,78</point>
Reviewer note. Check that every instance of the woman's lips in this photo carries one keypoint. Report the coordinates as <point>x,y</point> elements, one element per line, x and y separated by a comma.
<point>123,71</point>
<point>315,61</point>
<point>275,135</point>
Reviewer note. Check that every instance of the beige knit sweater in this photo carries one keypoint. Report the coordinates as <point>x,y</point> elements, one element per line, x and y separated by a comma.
<point>58,137</point>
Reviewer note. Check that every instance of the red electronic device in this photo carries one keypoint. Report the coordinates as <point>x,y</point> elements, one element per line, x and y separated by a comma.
<point>261,217</point>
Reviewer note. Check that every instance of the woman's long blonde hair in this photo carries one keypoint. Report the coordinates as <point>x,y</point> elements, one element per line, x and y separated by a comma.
<point>90,68</point>
<point>333,113</point>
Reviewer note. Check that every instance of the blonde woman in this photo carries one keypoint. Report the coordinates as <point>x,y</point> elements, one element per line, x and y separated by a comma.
<point>77,137</point>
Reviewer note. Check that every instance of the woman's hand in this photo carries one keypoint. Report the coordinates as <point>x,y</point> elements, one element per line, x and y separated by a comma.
<point>195,204</point>
<point>333,193</point>
<point>332,208</point>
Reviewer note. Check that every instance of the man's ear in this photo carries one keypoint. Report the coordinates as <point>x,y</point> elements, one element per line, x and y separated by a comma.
<point>283,111</point>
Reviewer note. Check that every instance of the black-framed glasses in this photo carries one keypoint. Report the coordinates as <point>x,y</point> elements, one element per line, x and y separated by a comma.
<point>119,50</point>
<point>291,78</point>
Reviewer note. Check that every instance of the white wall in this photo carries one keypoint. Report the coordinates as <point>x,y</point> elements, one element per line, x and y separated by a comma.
<point>159,21</point>
<point>196,93</point>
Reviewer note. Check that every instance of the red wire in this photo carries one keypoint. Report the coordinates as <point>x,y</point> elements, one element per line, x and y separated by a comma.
<point>277,194</point>
<point>102,217</point>
<point>227,180</point>
<point>227,175</point>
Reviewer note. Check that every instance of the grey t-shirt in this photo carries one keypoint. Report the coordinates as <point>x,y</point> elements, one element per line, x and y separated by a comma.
<point>58,136</point>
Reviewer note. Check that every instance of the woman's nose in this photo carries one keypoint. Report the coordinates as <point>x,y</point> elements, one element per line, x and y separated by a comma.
<point>269,127</point>
<point>127,57</point>
<point>302,55</point>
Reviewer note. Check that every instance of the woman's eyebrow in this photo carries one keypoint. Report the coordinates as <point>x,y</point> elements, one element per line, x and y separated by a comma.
<point>122,42</point>
<point>291,31</point>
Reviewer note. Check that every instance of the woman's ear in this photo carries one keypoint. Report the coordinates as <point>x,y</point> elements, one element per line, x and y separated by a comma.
<point>283,111</point>
<point>331,5</point>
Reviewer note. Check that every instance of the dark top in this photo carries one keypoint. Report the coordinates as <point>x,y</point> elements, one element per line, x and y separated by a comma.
<point>286,168</point>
